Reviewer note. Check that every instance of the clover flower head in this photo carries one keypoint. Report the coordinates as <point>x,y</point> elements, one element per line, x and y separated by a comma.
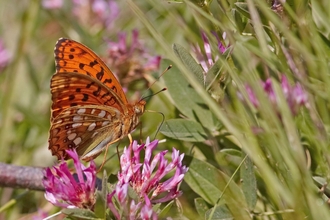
<point>96,13</point>
<point>145,178</point>
<point>66,190</point>
<point>129,59</point>
<point>294,95</point>
<point>106,11</point>
<point>204,54</point>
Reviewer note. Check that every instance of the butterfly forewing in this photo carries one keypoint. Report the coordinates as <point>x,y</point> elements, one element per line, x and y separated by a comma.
<point>73,89</point>
<point>71,56</point>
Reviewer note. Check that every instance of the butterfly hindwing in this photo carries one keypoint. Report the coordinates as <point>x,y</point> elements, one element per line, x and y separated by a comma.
<point>87,129</point>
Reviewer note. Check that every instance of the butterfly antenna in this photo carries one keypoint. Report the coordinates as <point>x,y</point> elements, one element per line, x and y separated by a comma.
<point>145,97</point>
<point>118,154</point>
<point>107,159</point>
<point>168,68</point>
<point>104,159</point>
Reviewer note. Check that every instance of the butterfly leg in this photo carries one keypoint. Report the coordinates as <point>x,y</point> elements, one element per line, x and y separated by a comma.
<point>130,138</point>
<point>104,158</point>
<point>140,125</point>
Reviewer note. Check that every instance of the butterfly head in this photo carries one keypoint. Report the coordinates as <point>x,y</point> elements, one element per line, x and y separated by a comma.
<point>139,107</point>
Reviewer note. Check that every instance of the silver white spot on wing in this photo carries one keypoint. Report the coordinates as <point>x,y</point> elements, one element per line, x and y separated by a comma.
<point>72,136</point>
<point>91,126</point>
<point>77,118</point>
<point>95,133</point>
<point>102,114</point>
<point>75,125</point>
<point>105,123</point>
<point>77,141</point>
<point>81,111</point>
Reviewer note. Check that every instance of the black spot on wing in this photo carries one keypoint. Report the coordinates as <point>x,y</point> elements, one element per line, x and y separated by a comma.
<point>110,101</point>
<point>89,85</point>
<point>107,81</point>
<point>85,98</point>
<point>81,66</point>
<point>100,74</point>
<point>93,63</point>
<point>97,92</point>
<point>105,94</point>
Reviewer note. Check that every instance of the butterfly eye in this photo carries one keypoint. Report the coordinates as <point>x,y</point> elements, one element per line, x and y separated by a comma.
<point>137,110</point>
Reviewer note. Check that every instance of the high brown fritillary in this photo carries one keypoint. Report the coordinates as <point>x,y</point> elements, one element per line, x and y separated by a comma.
<point>90,109</point>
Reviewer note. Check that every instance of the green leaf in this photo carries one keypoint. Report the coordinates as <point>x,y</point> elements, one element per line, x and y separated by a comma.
<point>228,157</point>
<point>164,212</point>
<point>211,184</point>
<point>205,180</point>
<point>206,150</point>
<point>232,152</point>
<point>186,99</point>
<point>226,141</point>
<point>104,189</point>
<point>249,182</point>
<point>185,130</point>
<point>213,74</point>
<point>189,62</point>
<point>80,213</point>
<point>212,81</point>
<point>240,23</point>
<point>101,199</point>
<point>201,207</point>
<point>220,213</point>
<point>243,9</point>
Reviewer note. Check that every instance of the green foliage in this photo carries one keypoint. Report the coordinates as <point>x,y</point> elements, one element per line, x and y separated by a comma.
<point>247,161</point>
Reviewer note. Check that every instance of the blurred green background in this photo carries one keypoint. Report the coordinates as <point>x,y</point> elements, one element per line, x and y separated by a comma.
<point>287,151</point>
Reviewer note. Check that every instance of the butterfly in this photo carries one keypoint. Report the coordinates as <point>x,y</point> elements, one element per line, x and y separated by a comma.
<point>89,109</point>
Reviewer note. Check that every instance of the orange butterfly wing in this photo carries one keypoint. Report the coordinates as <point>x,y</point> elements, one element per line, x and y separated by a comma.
<point>86,129</point>
<point>71,56</point>
<point>90,109</point>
